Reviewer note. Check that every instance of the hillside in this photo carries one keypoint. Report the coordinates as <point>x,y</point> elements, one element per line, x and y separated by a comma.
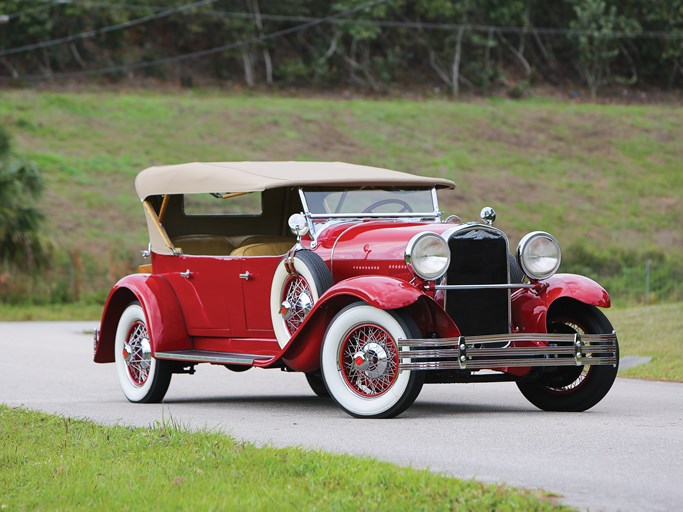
<point>605,176</point>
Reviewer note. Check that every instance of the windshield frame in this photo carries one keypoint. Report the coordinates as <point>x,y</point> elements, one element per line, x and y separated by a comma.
<point>434,214</point>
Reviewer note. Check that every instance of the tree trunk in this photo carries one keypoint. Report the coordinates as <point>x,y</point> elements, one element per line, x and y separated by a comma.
<point>455,71</point>
<point>255,10</point>
<point>248,66</point>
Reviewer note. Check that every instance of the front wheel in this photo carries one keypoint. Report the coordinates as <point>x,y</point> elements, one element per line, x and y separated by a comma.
<point>359,362</point>
<point>572,388</point>
<point>143,379</point>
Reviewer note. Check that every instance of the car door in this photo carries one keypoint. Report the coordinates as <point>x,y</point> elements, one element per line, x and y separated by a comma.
<point>210,292</point>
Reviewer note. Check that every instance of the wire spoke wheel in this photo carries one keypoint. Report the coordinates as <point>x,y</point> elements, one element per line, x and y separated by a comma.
<point>137,354</point>
<point>369,360</point>
<point>298,283</point>
<point>359,362</point>
<point>142,378</point>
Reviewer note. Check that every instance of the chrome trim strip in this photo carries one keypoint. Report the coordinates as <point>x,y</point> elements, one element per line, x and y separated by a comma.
<point>512,286</point>
<point>199,356</point>
<point>409,215</point>
<point>473,353</point>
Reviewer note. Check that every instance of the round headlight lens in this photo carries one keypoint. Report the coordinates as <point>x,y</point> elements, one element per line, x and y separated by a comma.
<point>539,255</point>
<point>428,256</point>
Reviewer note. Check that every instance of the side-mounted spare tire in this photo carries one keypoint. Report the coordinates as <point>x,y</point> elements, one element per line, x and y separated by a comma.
<point>298,283</point>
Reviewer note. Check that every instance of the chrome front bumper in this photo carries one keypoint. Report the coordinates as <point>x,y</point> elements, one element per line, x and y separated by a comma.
<point>479,352</point>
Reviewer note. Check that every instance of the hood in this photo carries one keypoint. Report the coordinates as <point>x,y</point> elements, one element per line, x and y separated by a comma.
<point>373,247</point>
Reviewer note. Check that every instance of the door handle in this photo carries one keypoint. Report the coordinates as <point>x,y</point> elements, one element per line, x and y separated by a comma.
<point>186,274</point>
<point>246,276</point>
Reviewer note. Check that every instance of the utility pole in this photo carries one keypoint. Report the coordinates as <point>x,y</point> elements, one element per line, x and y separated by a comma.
<point>647,281</point>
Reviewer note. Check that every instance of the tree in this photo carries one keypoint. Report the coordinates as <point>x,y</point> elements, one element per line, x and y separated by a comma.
<point>20,221</point>
<point>596,34</point>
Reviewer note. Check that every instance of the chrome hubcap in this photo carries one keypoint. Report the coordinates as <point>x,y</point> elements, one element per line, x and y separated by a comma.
<point>297,303</point>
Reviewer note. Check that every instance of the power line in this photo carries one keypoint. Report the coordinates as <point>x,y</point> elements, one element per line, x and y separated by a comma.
<point>505,29</point>
<point>103,30</point>
<point>209,51</point>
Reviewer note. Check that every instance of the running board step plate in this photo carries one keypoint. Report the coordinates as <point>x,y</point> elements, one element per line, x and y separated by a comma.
<point>206,356</point>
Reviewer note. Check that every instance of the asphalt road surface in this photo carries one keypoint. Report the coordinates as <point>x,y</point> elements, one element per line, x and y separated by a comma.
<point>624,454</point>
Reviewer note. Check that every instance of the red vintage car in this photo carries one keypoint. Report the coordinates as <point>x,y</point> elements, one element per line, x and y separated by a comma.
<point>348,274</point>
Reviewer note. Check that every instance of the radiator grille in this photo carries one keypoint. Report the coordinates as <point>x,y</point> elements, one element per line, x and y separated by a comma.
<point>478,256</point>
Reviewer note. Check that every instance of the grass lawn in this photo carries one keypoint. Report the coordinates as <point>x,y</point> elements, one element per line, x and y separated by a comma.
<point>53,463</point>
<point>653,331</point>
<point>50,312</point>
<point>603,174</point>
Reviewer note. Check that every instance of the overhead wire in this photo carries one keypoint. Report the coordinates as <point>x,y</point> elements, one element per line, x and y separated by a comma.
<point>37,8</point>
<point>208,51</point>
<point>103,30</point>
<point>505,29</point>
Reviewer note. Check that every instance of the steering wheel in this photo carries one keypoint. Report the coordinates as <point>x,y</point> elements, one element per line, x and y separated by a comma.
<point>405,207</point>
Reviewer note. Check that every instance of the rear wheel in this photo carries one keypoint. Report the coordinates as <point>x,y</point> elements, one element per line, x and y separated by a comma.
<point>143,379</point>
<point>359,362</point>
<point>572,388</point>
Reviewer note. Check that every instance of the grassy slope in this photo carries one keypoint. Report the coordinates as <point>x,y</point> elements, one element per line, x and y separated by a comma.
<point>600,172</point>
<point>53,463</point>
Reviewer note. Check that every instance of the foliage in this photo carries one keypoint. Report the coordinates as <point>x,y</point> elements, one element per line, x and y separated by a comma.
<point>597,40</point>
<point>56,463</point>
<point>21,185</point>
<point>478,46</point>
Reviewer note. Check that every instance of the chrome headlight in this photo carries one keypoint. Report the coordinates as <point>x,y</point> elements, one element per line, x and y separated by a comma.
<point>428,256</point>
<point>539,255</point>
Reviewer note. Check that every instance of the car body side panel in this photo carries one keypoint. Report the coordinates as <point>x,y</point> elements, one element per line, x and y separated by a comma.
<point>165,321</point>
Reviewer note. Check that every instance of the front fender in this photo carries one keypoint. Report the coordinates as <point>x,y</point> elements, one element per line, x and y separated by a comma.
<point>165,321</point>
<point>302,353</point>
<point>530,306</point>
<point>379,291</point>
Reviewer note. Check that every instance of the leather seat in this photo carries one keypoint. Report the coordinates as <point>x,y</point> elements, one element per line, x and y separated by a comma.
<point>263,248</point>
<point>207,245</point>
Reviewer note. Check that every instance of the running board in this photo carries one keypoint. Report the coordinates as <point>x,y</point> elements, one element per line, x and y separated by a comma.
<point>206,356</point>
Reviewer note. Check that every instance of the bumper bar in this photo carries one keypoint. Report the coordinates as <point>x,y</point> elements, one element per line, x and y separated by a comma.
<point>501,351</point>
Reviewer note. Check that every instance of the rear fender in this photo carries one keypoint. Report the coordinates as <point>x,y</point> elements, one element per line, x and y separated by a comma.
<point>530,307</point>
<point>303,350</point>
<point>165,321</point>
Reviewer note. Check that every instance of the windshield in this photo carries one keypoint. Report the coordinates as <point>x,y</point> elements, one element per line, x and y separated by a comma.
<point>371,201</point>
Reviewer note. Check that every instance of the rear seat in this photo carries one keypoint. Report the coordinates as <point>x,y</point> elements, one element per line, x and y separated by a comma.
<point>259,245</point>
<point>208,245</point>
<point>241,245</point>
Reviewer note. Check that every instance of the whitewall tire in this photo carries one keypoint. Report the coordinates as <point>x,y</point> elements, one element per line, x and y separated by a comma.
<point>359,362</point>
<point>142,378</point>
<point>293,295</point>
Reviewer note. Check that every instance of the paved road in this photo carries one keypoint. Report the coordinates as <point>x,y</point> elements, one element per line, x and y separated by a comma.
<point>624,454</point>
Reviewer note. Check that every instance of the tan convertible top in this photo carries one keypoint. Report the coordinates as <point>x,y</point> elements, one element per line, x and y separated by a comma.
<point>226,177</point>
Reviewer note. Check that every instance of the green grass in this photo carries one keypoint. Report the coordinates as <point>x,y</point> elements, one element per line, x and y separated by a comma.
<point>49,312</point>
<point>607,174</point>
<point>651,331</point>
<point>54,463</point>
